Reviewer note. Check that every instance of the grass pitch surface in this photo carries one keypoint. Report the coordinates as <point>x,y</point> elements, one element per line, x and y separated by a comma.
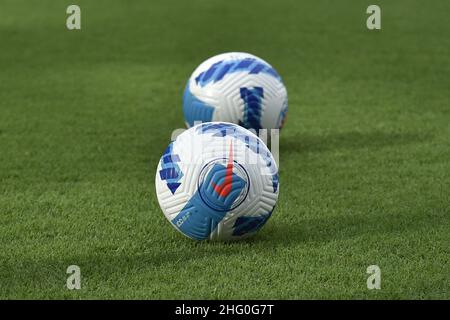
<point>364,174</point>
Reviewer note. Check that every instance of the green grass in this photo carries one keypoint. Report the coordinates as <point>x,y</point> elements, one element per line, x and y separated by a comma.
<point>365,154</point>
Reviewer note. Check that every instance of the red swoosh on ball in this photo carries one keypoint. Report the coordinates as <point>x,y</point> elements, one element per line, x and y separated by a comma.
<point>224,188</point>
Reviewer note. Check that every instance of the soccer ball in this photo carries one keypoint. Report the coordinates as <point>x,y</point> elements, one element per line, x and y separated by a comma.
<point>217,181</point>
<point>236,87</point>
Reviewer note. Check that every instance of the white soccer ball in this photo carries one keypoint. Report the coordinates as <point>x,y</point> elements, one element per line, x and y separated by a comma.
<point>217,181</point>
<point>236,87</point>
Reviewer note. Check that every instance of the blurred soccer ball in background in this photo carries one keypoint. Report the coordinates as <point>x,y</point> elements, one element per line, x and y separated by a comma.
<point>217,181</point>
<point>236,87</point>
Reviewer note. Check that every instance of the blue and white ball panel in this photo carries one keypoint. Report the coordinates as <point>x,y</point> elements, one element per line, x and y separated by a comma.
<point>235,87</point>
<point>193,175</point>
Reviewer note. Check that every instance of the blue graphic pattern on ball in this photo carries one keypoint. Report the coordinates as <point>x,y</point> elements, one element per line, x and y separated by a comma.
<point>218,70</point>
<point>170,171</point>
<point>248,224</point>
<point>224,129</point>
<point>198,219</point>
<point>252,107</point>
<point>194,109</point>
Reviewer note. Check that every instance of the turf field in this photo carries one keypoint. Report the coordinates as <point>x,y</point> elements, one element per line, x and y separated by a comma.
<point>365,153</point>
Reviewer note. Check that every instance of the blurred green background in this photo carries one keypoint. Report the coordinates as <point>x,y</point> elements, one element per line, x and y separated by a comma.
<point>365,154</point>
